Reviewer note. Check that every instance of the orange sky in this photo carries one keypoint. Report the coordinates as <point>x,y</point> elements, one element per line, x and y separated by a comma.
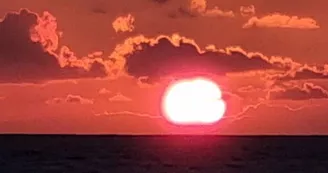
<point>102,66</point>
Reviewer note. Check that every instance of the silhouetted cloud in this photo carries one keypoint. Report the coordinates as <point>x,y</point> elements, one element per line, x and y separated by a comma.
<point>176,55</point>
<point>28,43</point>
<point>124,23</point>
<point>277,20</point>
<point>305,92</point>
<point>303,73</point>
<point>76,99</point>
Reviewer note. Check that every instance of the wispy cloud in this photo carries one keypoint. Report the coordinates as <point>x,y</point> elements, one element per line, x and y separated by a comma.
<point>305,92</point>
<point>246,109</point>
<point>120,98</point>
<point>104,91</point>
<point>74,99</point>
<point>126,113</point>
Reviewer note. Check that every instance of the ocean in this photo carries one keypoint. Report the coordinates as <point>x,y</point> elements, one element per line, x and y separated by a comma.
<point>162,154</point>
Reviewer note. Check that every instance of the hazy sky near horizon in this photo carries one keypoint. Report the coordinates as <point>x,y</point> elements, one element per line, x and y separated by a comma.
<point>101,66</point>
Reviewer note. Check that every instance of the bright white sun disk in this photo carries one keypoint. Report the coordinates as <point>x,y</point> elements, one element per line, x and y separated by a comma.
<point>195,101</point>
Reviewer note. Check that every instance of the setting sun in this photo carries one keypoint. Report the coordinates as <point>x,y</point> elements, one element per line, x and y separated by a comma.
<point>193,101</point>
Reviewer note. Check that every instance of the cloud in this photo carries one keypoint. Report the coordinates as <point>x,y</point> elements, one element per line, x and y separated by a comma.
<point>74,99</point>
<point>162,56</point>
<point>104,91</point>
<point>199,8</point>
<point>119,98</point>
<point>302,73</point>
<point>249,88</point>
<point>99,10</point>
<point>305,92</point>
<point>44,32</point>
<point>247,11</point>
<point>277,20</point>
<point>198,5</point>
<point>229,96</point>
<point>28,43</point>
<point>127,113</point>
<point>124,23</point>
<point>160,1</point>
<point>215,12</point>
<point>244,113</point>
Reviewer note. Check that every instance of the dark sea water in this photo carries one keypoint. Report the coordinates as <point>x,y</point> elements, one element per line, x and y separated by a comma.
<point>162,154</point>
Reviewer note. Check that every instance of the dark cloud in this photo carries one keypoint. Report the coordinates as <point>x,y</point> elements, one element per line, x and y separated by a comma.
<point>182,12</point>
<point>303,73</point>
<point>307,91</point>
<point>99,10</point>
<point>25,57</point>
<point>160,1</point>
<point>166,59</point>
<point>76,99</point>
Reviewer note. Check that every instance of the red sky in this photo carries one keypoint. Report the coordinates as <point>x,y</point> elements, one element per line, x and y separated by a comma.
<point>102,66</point>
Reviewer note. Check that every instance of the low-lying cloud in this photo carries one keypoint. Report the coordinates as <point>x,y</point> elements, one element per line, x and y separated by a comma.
<point>305,92</point>
<point>120,98</point>
<point>70,99</point>
<point>303,73</point>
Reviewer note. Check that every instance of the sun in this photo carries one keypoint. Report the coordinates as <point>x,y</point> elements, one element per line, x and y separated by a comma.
<point>193,101</point>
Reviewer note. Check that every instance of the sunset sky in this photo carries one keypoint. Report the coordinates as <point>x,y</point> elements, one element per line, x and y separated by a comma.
<point>102,66</point>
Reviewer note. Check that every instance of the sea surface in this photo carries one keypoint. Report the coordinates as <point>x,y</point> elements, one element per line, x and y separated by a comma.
<point>162,154</point>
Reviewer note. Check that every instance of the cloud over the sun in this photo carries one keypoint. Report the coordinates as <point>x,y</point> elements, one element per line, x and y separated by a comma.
<point>29,51</point>
<point>71,99</point>
<point>164,56</point>
<point>278,20</point>
<point>124,23</point>
<point>305,92</point>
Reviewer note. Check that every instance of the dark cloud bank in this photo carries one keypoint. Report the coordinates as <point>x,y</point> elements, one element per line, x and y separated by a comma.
<point>24,60</point>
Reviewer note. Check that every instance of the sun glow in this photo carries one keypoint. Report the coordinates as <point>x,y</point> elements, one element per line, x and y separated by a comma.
<point>193,101</point>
